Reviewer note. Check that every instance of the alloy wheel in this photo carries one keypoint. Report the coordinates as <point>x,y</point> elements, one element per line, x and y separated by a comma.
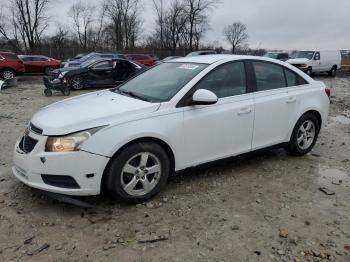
<point>77,83</point>
<point>306,134</point>
<point>8,74</point>
<point>141,174</point>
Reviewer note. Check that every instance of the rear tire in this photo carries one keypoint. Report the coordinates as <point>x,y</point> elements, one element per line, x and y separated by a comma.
<point>304,135</point>
<point>137,173</point>
<point>48,70</point>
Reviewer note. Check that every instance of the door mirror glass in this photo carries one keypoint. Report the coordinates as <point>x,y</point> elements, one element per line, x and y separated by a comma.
<point>204,97</point>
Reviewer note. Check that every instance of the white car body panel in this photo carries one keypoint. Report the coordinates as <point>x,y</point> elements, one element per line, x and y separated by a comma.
<point>195,134</point>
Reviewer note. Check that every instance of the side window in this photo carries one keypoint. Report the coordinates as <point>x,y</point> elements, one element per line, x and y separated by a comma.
<point>268,76</point>
<point>226,80</point>
<point>102,65</point>
<point>292,78</point>
<point>317,56</point>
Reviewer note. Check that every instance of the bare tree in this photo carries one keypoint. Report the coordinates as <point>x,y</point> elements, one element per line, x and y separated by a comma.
<point>82,15</point>
<point>236,34</point>
<point>26,24</point>
<point>196,11</point>
<point>124,22</point>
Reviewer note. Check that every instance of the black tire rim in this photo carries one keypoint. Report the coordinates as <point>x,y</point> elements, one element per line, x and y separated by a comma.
<point>77,83</point>
<point>8,74</point>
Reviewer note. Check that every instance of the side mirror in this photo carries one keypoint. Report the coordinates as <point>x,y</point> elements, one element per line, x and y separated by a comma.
<point>204,97</point>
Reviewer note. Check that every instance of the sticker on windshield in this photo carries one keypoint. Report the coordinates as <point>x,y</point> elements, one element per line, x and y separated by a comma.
<point>188,66</point>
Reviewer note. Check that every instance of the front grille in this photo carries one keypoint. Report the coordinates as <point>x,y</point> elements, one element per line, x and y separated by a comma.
<point>297,65</point>
<point>60,181</point>
<point>27,144</point>
<point>35,129</point>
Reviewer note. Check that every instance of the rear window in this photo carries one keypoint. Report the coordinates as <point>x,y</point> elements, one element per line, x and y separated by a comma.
<point>9,56</point>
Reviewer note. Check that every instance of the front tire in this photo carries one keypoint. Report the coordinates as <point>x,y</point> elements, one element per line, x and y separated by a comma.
<point>304,135</point>
<point>138,172</point>
<point>77,83</point>
<point>333,72</point>
<point>8,74</point>
<point>309,71</point>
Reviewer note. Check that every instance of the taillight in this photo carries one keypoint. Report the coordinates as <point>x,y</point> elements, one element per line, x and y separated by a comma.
<point>328,92</point>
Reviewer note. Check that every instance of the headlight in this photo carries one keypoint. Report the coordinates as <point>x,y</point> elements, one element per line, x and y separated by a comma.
<point>70,142</point>
<point>61,75</point>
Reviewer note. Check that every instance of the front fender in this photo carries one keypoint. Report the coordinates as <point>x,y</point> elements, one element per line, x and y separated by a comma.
<point>167,128</point>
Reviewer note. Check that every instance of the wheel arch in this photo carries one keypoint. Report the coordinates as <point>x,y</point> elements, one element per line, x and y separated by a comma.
<point>156,140</point>
<point>315,112</point>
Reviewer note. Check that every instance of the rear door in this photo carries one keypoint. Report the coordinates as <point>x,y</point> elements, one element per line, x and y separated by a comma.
<point>275,107</point>
<point>29,64</point>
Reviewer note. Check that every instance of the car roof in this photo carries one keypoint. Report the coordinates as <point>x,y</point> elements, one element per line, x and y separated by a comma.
<point>209,59</point>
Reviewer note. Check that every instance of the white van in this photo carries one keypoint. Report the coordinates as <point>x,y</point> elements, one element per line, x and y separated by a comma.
<point>317,61</point>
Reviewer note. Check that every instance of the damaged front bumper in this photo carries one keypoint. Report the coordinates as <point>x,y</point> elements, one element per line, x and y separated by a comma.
<point>76,173</point>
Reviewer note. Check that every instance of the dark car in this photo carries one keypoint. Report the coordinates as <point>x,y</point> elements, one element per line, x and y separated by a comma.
<point>10,65</point>
<point>39,64</point>
<point>97,73</point>
<point>283,56</point>
<point>77,57</point>
<point>203,52</point>
<point>93,56</point>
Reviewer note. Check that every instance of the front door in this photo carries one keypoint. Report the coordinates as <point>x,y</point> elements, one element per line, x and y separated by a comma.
<point>100,74</point>
<point>224,129</point>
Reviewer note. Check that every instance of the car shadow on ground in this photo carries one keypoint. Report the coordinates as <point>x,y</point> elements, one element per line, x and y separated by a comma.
<point>178,181</point>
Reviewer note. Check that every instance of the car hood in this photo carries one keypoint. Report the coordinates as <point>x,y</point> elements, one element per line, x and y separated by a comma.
<point>89,111</point>
<point>298,61</point>
<point>64,69</point>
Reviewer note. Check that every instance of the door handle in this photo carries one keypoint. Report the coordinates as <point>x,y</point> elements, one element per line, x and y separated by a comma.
<point>244,111</point>
<point>291,100</point>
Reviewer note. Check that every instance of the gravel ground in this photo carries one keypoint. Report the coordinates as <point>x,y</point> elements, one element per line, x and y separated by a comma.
<point>265,207</point>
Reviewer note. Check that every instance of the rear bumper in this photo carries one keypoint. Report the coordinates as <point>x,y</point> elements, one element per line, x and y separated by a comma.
<point>85,168</point>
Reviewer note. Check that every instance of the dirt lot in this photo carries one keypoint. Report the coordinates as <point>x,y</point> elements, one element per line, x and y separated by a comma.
<point>266,207</point>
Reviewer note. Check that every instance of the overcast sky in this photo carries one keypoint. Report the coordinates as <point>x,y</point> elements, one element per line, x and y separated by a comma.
<point>272,24</point>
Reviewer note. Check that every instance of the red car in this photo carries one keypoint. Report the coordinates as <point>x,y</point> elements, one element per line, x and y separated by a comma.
<point>39,64</point>
<point>141,59</point>
<point>10,65</point>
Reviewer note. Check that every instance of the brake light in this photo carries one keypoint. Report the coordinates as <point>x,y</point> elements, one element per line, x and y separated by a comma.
<point>328,92</point>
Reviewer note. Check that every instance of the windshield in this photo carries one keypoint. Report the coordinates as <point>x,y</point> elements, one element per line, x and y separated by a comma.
<point>89,62</point>
<point>303,54</point>
<point>161,83</point>
<point>271,55</point>
<point>86,57</point>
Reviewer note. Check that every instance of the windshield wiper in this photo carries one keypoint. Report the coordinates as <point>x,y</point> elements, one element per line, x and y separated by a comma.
<point>132,94</point>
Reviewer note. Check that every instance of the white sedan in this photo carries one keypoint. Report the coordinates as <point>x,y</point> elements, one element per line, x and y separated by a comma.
<point>180,114</point>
